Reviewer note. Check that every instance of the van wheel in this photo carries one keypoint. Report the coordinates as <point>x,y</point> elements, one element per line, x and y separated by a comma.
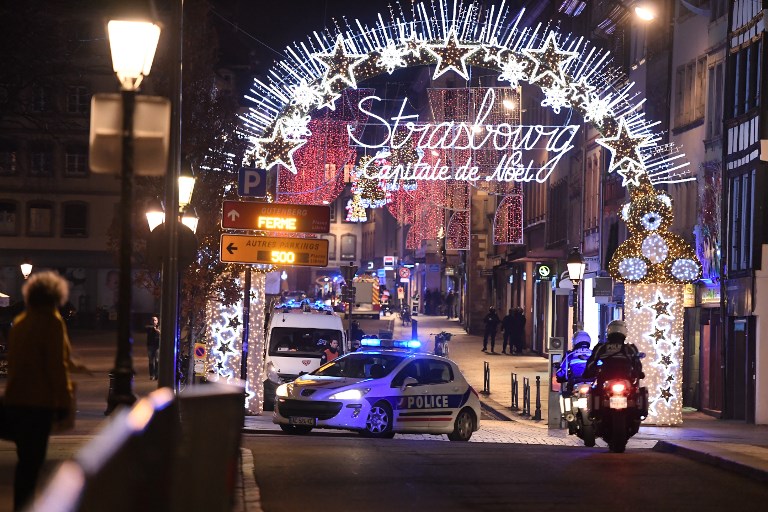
<point>296,430</point>
<point>463,426</point>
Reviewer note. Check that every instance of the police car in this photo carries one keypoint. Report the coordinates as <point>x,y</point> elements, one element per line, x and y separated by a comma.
<point>383,389</point>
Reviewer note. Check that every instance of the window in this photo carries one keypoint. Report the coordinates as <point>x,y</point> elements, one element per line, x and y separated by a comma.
<point>9,224</point>
<point>715,101</point>
<point>74,217</point>
<point>333,211</point>
<point>689,92</point>
<point>77,99</point>
<point>745,77</point>
<point>40,219</point>
<point>41,99</point>
<point>331,246</point>
<point>592,193</point>
<point>348,247</point>
<point>8,155</point>
<point>557,225</point>
<point>76,162</point>
<point>41,161</point>
<point>740,229</point>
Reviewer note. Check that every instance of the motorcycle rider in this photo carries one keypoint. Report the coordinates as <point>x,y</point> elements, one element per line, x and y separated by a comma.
<point>613,356</point>
<point>573,365</point>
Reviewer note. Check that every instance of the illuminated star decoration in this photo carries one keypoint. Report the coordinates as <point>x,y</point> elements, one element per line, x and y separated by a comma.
<point>451,55</point>
<point>630,175</point>
<point>581,91</point>
<point>639,305</point>
<point>624,147</point>
<point>493,51</point>
<point>279,149</point>
<point>224,348</point>
<point>413,45</point>
<point>548,61</point>
<point>658,334</point>
<point>339,64</point>
<point>666,360</point>
<point>328,99</point>
<point>665,394</point>
<point>661,307</point>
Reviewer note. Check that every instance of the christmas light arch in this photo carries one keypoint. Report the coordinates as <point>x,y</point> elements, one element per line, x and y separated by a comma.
<point>455,37</point>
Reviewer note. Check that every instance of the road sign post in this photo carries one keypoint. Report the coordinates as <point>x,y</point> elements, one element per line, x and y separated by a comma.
<point>276,217</point>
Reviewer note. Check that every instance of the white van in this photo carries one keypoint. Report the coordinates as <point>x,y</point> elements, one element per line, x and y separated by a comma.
<point>297,335</point>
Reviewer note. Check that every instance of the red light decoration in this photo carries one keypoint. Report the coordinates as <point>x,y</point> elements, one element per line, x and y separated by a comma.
<point>508,221</point>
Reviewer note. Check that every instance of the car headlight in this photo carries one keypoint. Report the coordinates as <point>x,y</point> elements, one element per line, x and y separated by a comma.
<point>349,394</point>
<point>282,391</point>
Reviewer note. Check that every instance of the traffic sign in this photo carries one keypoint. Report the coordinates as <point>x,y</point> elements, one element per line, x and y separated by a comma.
<point>300,252</point>
<point>404,272</point>
<point>252,182</point>
<point>303,218</point>
<point>200,351</point>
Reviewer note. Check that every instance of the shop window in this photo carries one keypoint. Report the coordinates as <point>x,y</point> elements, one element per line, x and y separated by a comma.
<point>348,247</point>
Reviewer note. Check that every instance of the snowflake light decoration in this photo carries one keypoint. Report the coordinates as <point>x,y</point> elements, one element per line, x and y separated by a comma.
<point>513,71</point>
<point>392,57</point>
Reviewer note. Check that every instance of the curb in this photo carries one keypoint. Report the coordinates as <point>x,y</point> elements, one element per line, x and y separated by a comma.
<point>712,460</point>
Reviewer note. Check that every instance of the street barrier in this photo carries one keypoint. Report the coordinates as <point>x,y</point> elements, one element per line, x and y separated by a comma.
<point>486,378</point>
<point>166,453</point>
<point>526,397</point>
<point>537,412</point>
<point>514,393</point>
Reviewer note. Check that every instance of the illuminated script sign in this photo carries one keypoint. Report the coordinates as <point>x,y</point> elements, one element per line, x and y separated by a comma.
<point>512,141</point>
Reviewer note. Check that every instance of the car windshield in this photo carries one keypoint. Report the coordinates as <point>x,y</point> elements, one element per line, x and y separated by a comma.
<point>361,366</point>
<point>301,341</point>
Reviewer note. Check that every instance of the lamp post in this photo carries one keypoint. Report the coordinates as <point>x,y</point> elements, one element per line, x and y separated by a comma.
<point>132,43</point>
<point>26,268</point>
<point>576,268</point>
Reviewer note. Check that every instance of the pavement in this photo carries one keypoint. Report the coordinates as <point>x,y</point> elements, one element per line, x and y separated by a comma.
<point>730,445</point>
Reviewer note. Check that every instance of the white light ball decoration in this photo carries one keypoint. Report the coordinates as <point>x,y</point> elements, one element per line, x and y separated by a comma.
<point>625,211</point>
<point>651,221</point>
<point>633,269</point>
<point>654,318</point>
<point>655,248</point>
<point>685,269</point>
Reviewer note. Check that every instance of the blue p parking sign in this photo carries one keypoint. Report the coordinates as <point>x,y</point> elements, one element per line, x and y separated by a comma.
<point>252,182</point>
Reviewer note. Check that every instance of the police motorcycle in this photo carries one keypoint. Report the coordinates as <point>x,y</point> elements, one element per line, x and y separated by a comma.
<point>575,389</point>
<point>616,402</point>
<point>441,343</point>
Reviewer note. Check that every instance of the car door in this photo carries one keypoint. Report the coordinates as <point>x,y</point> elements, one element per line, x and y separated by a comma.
<point>444,393</point>
<point>409,408</point>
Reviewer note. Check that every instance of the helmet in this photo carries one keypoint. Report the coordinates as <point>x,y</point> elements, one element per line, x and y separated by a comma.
<point>616,327</point>
<point>581,339</point>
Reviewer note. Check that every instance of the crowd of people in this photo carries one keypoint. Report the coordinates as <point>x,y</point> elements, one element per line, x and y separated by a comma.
<point>437,302</point>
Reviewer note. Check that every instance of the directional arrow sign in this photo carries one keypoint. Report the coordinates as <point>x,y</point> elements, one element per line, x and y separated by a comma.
<point>300,252</point>
<point>302,218</point>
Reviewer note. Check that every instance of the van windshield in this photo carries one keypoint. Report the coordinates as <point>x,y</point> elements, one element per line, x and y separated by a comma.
<point>301,341</point>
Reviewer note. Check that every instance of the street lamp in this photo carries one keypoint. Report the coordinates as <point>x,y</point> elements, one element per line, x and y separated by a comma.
<point>132,42</point>
<point>576,266</point>
<point>26,268</point>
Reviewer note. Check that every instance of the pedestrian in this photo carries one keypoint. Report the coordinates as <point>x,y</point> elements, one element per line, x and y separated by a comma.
<point>506,328</point>
<point>491,323</point>
<point>331,352</point>
<point>153,347</point>
<point>449,299</point>
<point>39,390</point>
<point>517,338</point>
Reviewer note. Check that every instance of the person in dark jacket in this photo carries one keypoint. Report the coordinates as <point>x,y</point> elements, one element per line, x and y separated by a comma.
<point>506,328</point>
<point>153,347</point>
<point>491,324</point>
<point>517,335</point>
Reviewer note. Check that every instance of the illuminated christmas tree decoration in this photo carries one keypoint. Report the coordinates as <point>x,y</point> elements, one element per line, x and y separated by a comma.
<point>356,210</point>
<point>339,64</point>
<point>451,56</point>
<point>624,147</point>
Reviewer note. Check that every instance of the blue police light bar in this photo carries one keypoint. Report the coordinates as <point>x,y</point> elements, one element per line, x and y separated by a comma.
<point>370,342</point>
<point>411,344</point>
<point>376,342</point>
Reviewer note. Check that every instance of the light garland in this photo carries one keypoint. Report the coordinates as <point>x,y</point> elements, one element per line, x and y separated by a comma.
<point>654,317</point>
<point>356,210</point>
<point>508,221</point>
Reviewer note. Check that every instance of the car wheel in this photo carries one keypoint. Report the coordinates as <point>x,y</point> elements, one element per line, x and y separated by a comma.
<point>463,426</point>
<point>296,430</point>
<point>379,421</point>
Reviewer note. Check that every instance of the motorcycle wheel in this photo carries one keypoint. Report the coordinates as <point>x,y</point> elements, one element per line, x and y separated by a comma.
<point>587,433</point>
<point>618,442</point>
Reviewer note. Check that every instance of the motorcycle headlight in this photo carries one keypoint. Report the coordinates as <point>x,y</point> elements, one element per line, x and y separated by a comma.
<point>282,391</point>
<point>349,394</point>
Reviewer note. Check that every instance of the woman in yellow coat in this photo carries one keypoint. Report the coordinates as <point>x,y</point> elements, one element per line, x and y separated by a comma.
<point>39,389</point>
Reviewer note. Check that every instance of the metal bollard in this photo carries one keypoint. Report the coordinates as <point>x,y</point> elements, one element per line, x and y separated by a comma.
<point>526,397</point>
<point>414,329</point>
<point>514,392</point>
<point>486,378</point>
<point>537,412</point>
